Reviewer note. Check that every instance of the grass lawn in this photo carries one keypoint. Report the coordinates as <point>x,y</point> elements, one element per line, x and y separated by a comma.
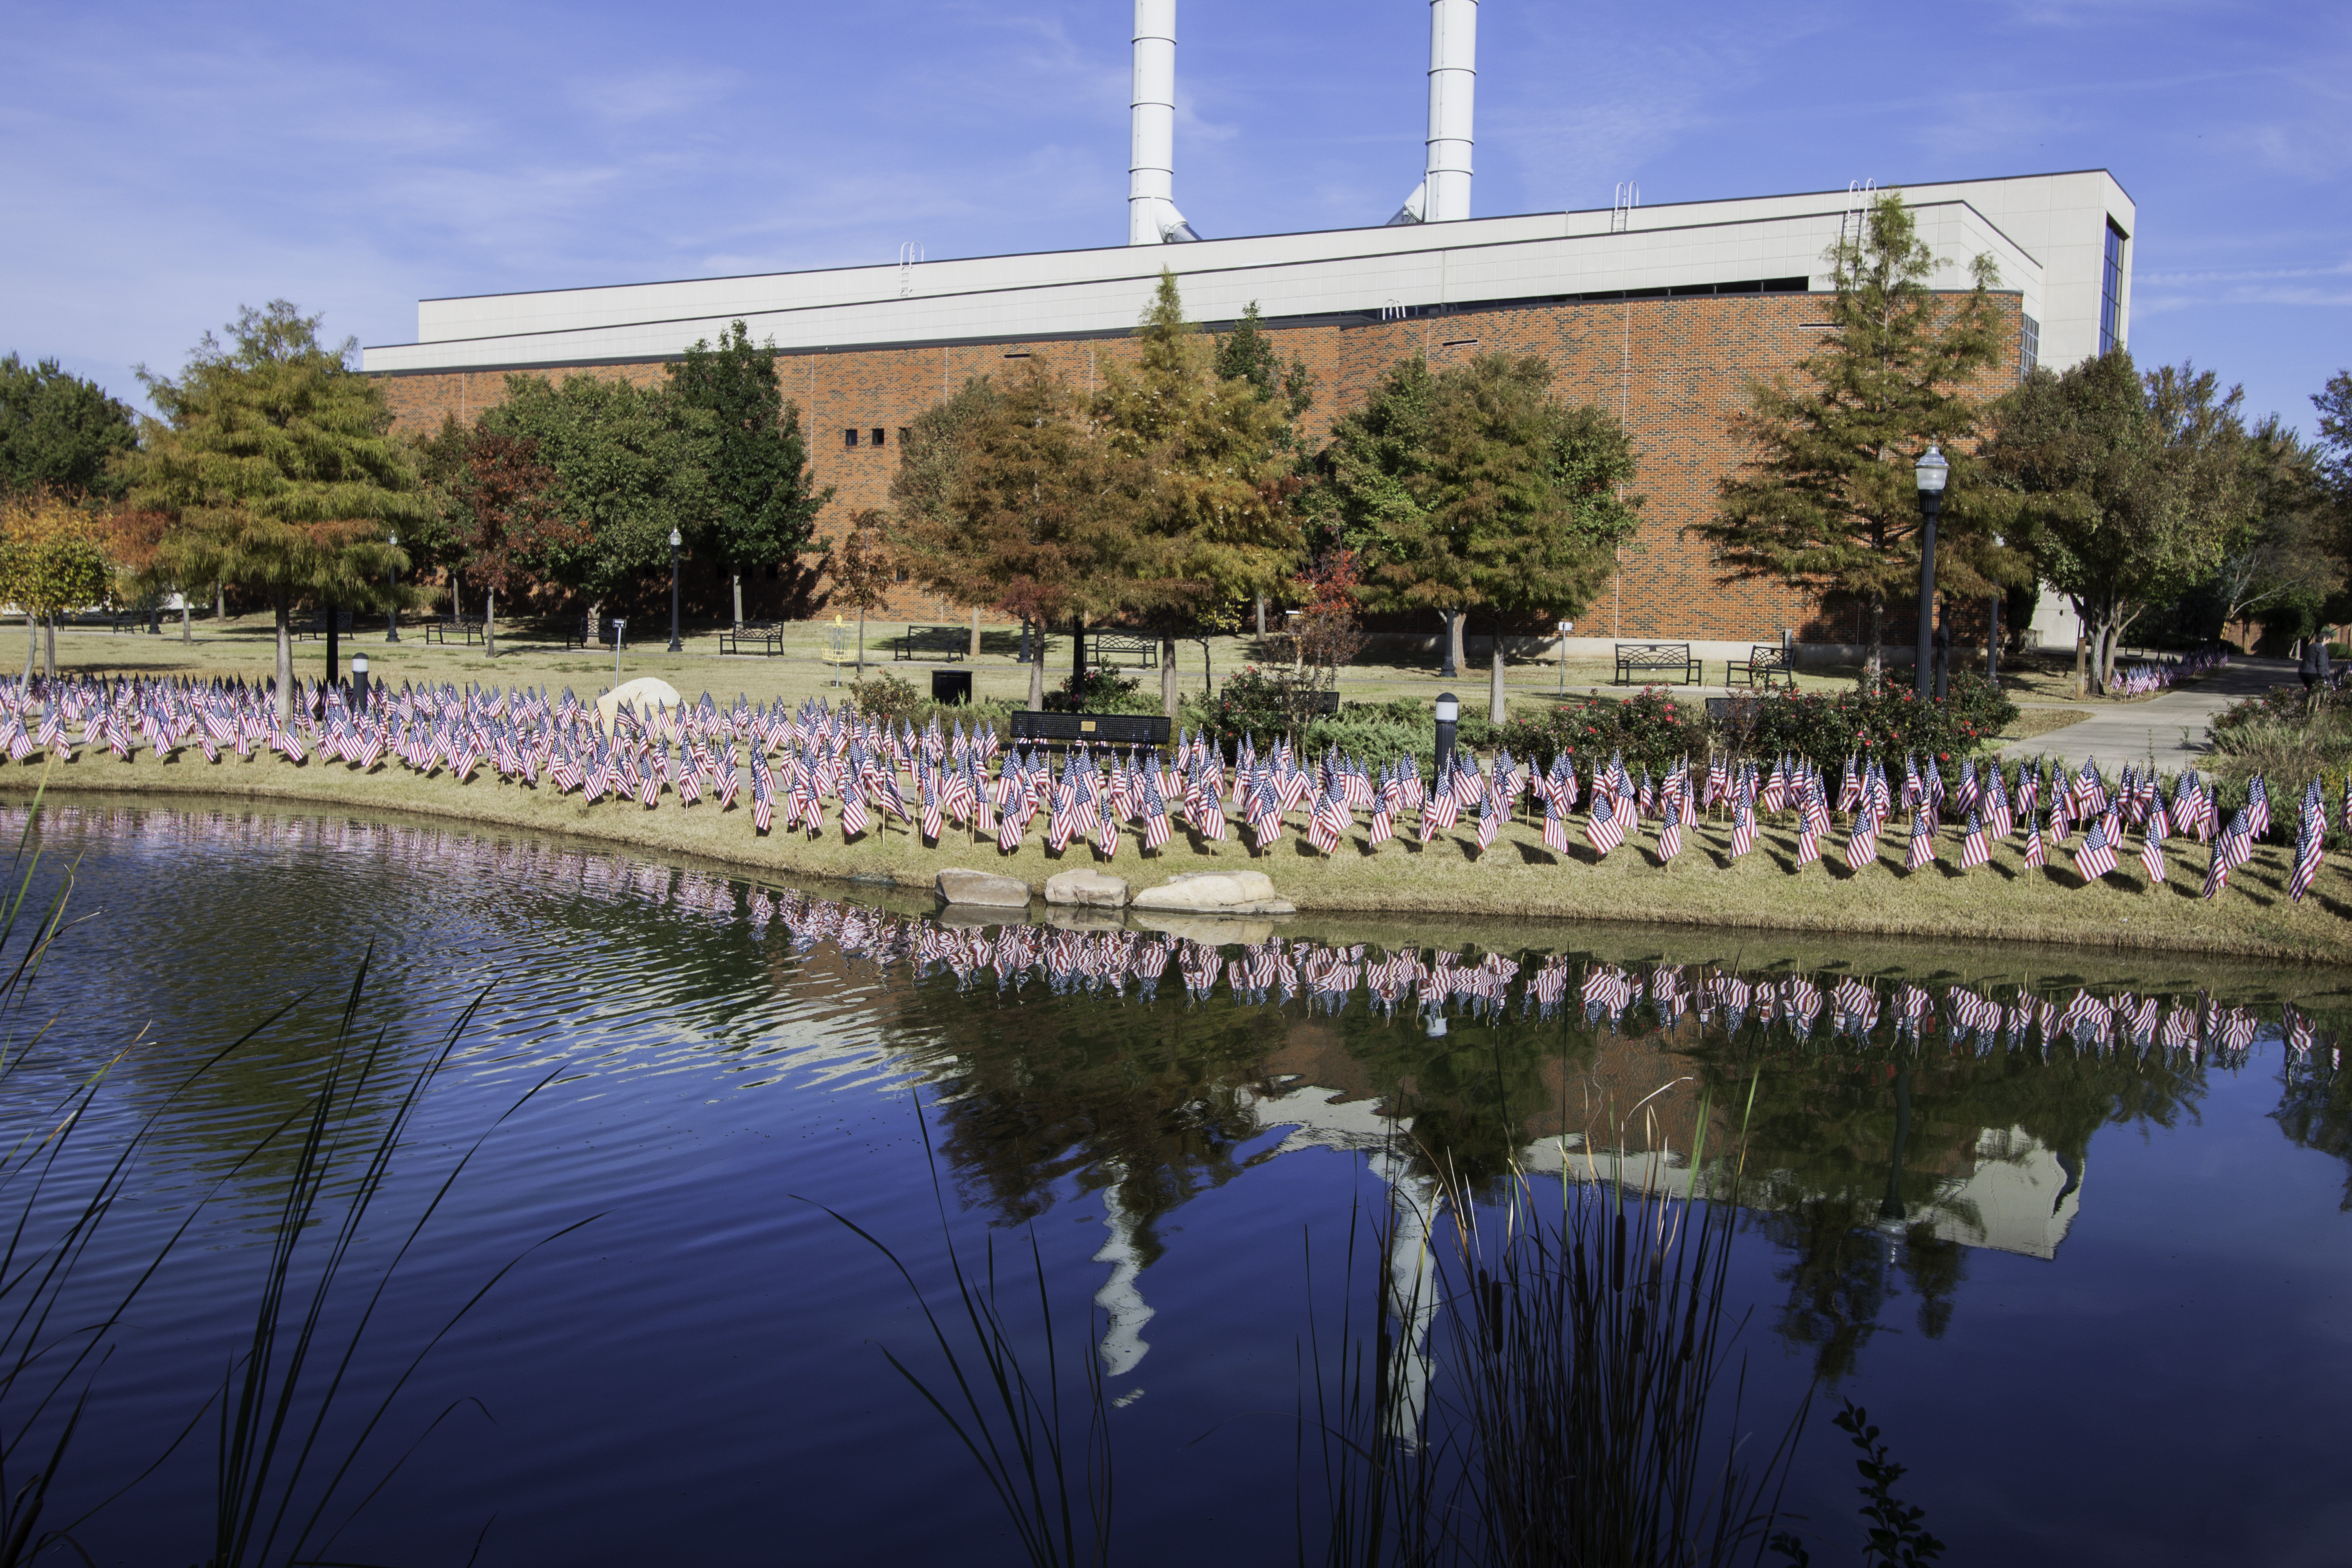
<point>1516,879</point>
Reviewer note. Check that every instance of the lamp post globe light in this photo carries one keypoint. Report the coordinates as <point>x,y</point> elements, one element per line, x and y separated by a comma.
<point>1449,715</point>
<point>391,610</point>
<point>1931,470</point>
<point>359,683</point>
<point>674,646</point>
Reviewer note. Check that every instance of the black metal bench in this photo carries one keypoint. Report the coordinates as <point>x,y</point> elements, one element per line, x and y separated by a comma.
<point>315,624</point>
<point>1116,647</point>
<point>1103,728</point>
<point>583,633</point>
<point>1767,662</point>
<point>467,628</point>
<point>937,642</point>
<point>767,636</point>
<point>1658,657</point>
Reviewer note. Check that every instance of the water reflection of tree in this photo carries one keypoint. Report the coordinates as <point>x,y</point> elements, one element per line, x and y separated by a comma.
<point>1848,1179</point>
<point>2315,1110</point>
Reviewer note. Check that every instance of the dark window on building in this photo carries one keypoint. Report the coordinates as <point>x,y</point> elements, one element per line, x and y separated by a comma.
<point>2029,347</point>
<point>2111,299</point>
<point>877,434</point>
<point>849,436</point>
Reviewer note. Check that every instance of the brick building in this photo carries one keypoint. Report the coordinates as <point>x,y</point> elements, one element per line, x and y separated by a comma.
<point>1661,313</point>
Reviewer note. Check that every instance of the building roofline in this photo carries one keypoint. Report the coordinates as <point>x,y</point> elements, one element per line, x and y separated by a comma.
<point>1002,289</point>
<point>1282,234</point>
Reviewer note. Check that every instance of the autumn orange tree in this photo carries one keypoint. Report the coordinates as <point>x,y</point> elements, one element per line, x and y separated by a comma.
<point>508,520</point>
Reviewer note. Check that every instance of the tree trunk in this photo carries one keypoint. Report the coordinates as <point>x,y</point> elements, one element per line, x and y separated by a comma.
<point>285,621</point>
<point>1261,614</point>
<point>32,652</point>
<point>1168,698</point>
<point>220,601</point>
<point>490,622</point>
<point>49,646</point>
<point>1498,703</point>
<point>186,634</point>
<point>1077,658</point>
<point>1453,653</point>
<point>1873,643</point>
<point>1037,673</point>
<point>334,645</point>
<point>974,653</point>
<point>861,642</point>
<point>738,578</point>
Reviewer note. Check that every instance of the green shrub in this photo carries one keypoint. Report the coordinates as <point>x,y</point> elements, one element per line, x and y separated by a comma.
<point>885,696</point>
<point>1649,728</point>
<point>1105,690</point>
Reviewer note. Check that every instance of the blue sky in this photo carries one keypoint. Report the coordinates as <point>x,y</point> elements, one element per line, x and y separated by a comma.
<point>164,163</point>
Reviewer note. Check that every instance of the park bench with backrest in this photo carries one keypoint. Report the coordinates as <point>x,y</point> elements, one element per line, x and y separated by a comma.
<point>468,629</point>
<point>766,637</point>
<point>936,642</point>
<point>1030,727</point>
<point>1118,647</point>
<point>1658,659</point>
<point>1767,662</point>
<point>315,623</point>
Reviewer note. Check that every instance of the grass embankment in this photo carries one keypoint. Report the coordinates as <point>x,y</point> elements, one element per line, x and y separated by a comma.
<point>1518,879</point>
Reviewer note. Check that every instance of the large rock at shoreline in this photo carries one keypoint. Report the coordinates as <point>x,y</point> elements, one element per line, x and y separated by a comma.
<point>643,694</point>
<point>1088,886</point>
<point>984,889</point>
<point>1217,892</point>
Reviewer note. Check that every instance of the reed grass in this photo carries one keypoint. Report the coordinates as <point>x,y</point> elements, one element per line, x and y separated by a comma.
<point>1564,1407</point>
<point>1053,1481</point>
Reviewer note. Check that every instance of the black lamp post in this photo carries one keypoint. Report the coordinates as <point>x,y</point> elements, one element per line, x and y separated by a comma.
<point>1449,715</point>
<point>391,610</point>
<point>1931,470</point>
<point>674,646</point>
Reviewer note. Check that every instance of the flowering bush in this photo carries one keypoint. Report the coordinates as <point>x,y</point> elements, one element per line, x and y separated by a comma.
<point>1651,727</point>
<point>1886,723</point>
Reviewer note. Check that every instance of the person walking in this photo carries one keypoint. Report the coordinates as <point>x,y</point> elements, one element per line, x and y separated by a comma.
<point>2314,667</point>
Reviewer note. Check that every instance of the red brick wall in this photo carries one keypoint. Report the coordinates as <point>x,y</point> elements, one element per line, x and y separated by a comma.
<point>1673,369</point>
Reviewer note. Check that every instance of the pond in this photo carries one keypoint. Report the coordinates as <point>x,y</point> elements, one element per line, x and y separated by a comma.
<point>2073,1226</point>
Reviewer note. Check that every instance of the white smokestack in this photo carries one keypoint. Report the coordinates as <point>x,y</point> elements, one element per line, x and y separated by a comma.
<point>1152,214</point>
<point>1444,194</point>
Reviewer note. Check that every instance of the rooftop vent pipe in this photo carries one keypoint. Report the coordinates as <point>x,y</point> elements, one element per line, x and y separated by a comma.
<point>1152,214</point>
<point>1444,194</point>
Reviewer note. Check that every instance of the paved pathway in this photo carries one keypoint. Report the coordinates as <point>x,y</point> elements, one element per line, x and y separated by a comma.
<point>2132,731</point>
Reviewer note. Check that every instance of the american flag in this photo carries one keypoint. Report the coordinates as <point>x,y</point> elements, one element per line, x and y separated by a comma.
<point>2231,850</point>
<point>1861,844</point>
<point>1669,831</point>
<point>1922,851</point>
<point>2151,842</point>
<point>2096,856</point>
<point>1743,825</point>
<point>2035,853</point>
<point>2258,805</point>
<point>855,819</point>
<point>2307,849</point>
<point>1555,826</point>
<point>1490,817</point>
<point>932,823</point>
<point>1602,828</point>
<point>1976,849</point>
<point>1155,815</point>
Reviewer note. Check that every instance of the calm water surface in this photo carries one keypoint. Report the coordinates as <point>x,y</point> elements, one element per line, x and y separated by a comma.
<point>2101,1302</point>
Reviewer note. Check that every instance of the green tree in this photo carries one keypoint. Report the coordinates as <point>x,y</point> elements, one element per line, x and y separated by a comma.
<point>628,470</point>
<point>1038,512</point>
<point>2334,403</point>
<point>58,431</point>
<point>1248,353</point>
<point>276,466</point>
<point>1204,461</point>
<point>1477,489</point>
<point>1826,498</point>
<point>923,526</point>
<point>758,503</point>
<point>2280,568</point>
<point>2132,489</point>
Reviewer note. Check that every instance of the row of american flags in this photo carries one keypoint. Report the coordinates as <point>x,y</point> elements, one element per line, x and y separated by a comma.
<point>815,769</point>
<point>1395,981</point>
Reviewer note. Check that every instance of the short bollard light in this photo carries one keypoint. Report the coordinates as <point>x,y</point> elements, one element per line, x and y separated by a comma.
<point>359,683</point>
<point>1449,715</point>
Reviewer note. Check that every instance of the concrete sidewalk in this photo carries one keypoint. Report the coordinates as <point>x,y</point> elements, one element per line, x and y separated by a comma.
<point>2170,727</point>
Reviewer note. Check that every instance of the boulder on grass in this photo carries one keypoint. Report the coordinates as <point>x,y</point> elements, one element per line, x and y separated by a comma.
<point>1088,886</point>
<point>984,889</point>
<point>1217,892</point>
<point>643,695</point>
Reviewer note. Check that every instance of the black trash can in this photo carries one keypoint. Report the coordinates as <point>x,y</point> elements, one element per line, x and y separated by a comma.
<point>952,686</point>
